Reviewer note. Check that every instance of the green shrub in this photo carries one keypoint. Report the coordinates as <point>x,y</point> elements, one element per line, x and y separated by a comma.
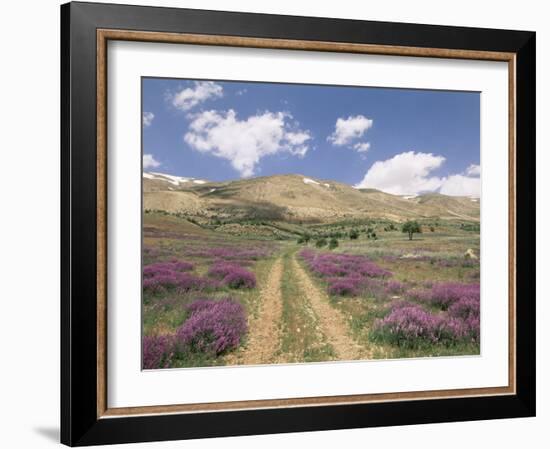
<point>321,242</point>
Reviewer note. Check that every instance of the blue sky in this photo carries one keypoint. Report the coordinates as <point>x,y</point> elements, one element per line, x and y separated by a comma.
<point>402,141</point>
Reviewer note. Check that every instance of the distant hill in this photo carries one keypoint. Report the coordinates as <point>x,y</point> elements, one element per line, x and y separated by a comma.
<point>296,197</point>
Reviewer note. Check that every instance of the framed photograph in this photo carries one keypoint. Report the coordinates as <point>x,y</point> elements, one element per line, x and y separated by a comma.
<point>280,224</point>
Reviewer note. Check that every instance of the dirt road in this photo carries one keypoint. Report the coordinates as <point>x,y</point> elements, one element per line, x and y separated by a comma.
<point>264,334</point>
<point>332,322</point>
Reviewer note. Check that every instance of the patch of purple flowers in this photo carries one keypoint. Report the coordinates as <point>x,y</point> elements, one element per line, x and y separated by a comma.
<point>408,324</point>
<point>157,351</point>
<point>444,295</point>
<point>165,268</point>
<point>182,282</point>
<point>213,327</point>
<point>345,274</point>
<point>344,286</point>
<point>232,275</point>
<point>411,325</point>
<point>161,276</point>
<point>465,308</point>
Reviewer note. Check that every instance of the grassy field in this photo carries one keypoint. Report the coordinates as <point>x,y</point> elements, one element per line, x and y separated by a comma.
<point>261,292</point>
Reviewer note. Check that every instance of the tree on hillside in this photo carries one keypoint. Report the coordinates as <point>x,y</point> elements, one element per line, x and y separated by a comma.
<point>353,234</point>
<point>411,227</point>
<point>333,243</point>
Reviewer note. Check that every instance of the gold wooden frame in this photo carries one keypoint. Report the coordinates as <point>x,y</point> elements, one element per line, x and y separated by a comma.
<point>104,35</point>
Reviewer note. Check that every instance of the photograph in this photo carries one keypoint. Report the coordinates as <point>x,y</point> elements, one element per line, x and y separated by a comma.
<point>273,223</point>
<point>295,223</point>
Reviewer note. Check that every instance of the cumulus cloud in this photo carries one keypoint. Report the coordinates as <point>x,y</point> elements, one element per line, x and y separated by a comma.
<point>147,119</point>
<point>190,97</point>
<point>362,147</point>
<point>460,185</point>
<point>149,161</point>
<point>298,138</point>
<point>473,170</point>
<point>410,173</point>
<point>404,174</point>
<point>463,184</point>
<point>245,142</point>
<point>346,130</point>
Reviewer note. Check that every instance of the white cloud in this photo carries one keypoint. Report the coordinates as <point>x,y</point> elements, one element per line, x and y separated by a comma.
<point>245,142</point>
<point>362,147</point>
<point>298,138</point>
<point>189,97</point>
<point>473,170</point>
<point>241,92</point>
<point>147,119</point>
<point>349,129</point>
<point>404,174</point>
<point>150,162</point>
<point>460,185</point>
<point>409,173</point>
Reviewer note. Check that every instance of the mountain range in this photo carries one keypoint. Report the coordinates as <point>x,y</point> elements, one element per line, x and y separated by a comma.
<point>295,197</point>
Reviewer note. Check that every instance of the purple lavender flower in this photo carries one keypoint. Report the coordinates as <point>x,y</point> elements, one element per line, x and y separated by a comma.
<point>174,275</point>
<point>443,295</point>
<point>213,327</point>
<point>465,308</point>
<point>343,286</point>
<point>166,268</point>
<point>409,325</point>
<point>345,274</point>
<point>221,269</point>
<point>232,275</point>
<point>158,351</point>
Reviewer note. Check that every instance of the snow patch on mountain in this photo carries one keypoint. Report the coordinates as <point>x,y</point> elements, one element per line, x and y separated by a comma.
<point>312,181</point>
<point>174,180</point>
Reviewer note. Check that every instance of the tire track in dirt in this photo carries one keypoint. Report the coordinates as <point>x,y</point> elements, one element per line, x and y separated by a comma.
<point>332,322</point>
<point>263,331</point>
<point>302,339</point>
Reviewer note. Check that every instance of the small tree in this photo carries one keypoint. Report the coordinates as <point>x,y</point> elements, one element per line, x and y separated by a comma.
<point>411,227</point>
<point>353,234</point>
<point>306,237</point>
<point>333,243</point>
<point>321,242</point>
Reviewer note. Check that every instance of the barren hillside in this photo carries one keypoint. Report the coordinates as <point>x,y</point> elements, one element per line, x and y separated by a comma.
<point>295,197</point>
